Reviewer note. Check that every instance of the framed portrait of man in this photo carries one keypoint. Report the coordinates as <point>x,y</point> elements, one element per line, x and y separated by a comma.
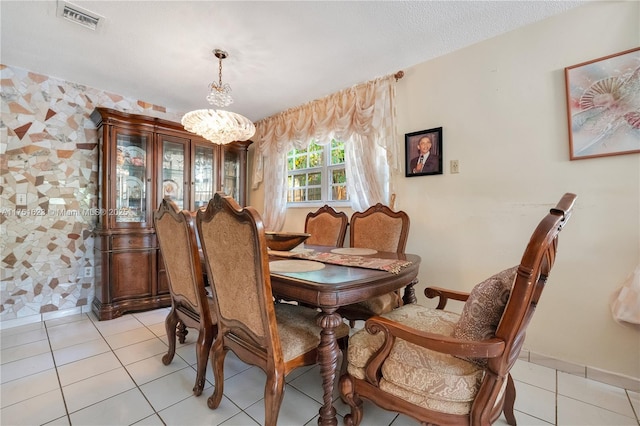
<point>423,152</point>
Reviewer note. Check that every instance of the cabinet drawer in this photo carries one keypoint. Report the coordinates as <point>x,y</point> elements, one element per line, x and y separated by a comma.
<point>133,241</point>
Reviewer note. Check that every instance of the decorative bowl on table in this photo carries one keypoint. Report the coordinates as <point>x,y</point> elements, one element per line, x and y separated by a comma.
<point>285,241</point>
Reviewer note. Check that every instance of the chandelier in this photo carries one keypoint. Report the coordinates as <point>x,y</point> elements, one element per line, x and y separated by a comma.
<point>219,126</point>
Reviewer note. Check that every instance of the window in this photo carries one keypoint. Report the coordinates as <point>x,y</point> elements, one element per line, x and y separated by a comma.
<point>317,174</point>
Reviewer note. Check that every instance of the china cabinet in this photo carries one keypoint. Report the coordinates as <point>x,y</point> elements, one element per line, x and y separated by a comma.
<point>141,160</point>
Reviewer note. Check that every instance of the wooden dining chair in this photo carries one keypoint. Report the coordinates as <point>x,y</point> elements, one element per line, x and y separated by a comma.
<point>442,368</point>
<point>381,229</point>
<point>190,306</point>
<point>326,226</point>
<point>275,337</point>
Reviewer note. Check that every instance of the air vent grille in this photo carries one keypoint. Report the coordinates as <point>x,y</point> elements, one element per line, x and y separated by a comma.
<point>78,15</point>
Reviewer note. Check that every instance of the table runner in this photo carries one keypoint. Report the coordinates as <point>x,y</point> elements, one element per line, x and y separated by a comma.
<point>390,265</point>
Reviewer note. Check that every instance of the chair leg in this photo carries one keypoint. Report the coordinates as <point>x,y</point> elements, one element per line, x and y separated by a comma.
<point>273,395</point>
<point>509,401</point>
<point>217,356</point>
<point>343,344</point>
<point>170,326</point>
<point>203,346</point>
<point>347,392</point>
<point>182,332</point>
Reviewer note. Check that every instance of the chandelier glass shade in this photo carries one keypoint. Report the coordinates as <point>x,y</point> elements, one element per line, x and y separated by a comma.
<point>219,126</point>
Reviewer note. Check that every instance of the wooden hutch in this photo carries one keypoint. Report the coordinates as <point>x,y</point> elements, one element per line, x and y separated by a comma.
<point>142,160</point>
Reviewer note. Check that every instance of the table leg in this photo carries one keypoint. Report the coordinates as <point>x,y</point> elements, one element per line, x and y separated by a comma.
<point>328,360</point>
<point>410,293</point>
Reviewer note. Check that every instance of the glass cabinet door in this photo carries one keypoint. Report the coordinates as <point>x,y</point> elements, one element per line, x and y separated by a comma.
<point>231,175</point>
<point>131,177</point>
<point>173,171</point>
<point>203,177</point>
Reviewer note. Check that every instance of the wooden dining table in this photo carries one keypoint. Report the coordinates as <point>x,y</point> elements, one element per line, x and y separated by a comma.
<point>330,288</point>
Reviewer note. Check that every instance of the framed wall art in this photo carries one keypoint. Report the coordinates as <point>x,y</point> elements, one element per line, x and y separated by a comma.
<point>603,105</point>
<point>423,152</point>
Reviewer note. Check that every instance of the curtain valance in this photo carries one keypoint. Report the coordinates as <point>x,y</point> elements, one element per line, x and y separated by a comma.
<point>362,116</point>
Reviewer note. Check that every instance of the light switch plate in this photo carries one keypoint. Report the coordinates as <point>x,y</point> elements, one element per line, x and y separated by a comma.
<point>21,199</point>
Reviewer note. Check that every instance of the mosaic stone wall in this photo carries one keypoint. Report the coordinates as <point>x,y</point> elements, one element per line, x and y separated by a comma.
<point>48,151</point>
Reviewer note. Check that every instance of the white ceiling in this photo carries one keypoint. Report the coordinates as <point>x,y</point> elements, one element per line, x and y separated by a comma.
<point>281,54</point>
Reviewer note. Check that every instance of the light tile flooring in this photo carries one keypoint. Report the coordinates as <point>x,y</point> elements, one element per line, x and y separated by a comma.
<point>80,371</point>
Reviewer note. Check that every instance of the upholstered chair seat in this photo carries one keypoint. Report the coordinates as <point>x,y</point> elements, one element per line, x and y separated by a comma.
<point>427,378</point>
<point>424,377</point>
<point>444,368</point>
<point>298,330</point>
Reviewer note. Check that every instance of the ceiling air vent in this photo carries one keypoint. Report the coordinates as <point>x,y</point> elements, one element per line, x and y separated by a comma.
<point>78,15</point>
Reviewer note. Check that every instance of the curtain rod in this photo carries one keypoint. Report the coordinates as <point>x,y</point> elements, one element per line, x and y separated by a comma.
<point>398,75</point>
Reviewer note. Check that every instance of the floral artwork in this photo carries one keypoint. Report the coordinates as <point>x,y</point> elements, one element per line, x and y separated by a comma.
<point>603,105</point>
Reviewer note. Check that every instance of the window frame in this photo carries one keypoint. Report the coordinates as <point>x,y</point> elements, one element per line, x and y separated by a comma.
<point>326,171</point>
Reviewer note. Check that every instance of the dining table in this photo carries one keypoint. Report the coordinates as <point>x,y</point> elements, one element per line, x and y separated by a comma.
<point>342,279</point>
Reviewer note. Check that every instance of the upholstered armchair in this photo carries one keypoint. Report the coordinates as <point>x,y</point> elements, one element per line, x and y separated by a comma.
<point>381,229</point>
<point>442,368</point>
<point>275,337</point>
<point>190,306</point>
<point>326,226</point>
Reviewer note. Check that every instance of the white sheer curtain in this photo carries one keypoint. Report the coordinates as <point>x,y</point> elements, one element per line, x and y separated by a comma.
<point>362,116</point>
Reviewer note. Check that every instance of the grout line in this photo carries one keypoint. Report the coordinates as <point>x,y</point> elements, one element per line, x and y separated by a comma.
<point>556,399</point>
<point>55,366</point>
<point>633,408</point>
<point>125,367</point>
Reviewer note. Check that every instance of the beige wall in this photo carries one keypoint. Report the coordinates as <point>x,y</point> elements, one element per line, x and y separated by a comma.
<point>502,106</point>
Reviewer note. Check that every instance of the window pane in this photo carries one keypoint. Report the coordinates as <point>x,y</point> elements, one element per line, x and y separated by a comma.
<point>315,159</point>
<point>338,176</point>
<point>299,180</point>
<point>300,161</point>
<point>315,178</point>
<point>314,147</point>
<point>296,195</point>
<point>315,194</point>
<point>337,152</point>
<point>339,193</point>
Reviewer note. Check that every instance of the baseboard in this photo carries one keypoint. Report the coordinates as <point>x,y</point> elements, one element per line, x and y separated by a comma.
<point>608,377</point>
<point>31,319</point>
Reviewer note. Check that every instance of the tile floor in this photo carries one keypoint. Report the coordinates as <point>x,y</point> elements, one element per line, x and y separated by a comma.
<point>80,371</point>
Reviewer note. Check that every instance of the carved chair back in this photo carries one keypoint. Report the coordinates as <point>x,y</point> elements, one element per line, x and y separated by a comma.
<point>276,337</point>
<point>175,231</point>
<point>234,249</point>
<point>379,228</point>
<point>326,226</point>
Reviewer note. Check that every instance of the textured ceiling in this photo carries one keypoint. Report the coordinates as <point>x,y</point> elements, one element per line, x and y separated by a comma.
<point>281,54</point>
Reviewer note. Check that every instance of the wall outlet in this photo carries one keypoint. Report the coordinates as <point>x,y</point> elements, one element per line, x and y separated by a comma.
<point>21,199</point>
<point>88,272</point>
<point>454,166</point>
